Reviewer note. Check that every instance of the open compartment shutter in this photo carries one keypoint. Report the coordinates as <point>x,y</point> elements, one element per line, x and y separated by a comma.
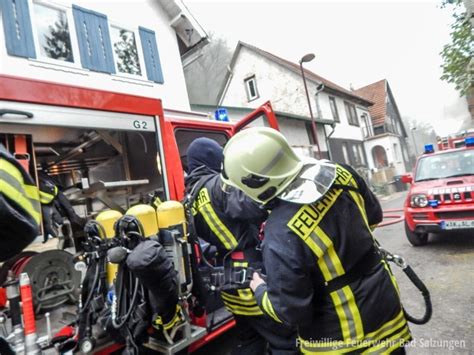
<point>151,55</point>
<point>94,40</point>
<point>17,28</point>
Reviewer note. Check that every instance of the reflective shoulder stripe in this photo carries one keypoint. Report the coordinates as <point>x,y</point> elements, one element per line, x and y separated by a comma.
<point>13,186</point>
<point>268,308</point>
<point>204,206</point>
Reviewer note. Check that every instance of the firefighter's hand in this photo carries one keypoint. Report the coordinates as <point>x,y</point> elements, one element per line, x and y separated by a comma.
<point>256,281</point>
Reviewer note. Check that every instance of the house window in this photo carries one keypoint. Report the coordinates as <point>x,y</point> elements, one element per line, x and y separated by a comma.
<point>361,154</point>
<point>345,153</point>
<point>351,113</point>
<point>356,155</point>
<point>52,33</point>
<point>251,88</point>
<point>335,114</point>
<point>125,51</point>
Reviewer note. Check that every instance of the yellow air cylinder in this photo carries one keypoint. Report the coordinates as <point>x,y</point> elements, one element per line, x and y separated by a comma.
<point>107,220</point>
<point>171,213</point>
<point>172,224</point>
<point>147,217</point>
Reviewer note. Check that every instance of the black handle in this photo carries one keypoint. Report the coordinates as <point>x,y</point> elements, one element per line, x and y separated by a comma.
<point>5,111</point>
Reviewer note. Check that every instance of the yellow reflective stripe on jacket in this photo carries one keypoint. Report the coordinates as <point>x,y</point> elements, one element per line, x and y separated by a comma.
<point>305,224</point>
<point>239,299</point>
<point>309,216</point>
<point>243,310</point>
<point>46,198</point>
<point>386,346</point>
<point>343,299</point>
<point>392,277</point>
<point>240,263</point>
<point>204,206</point>
<point>268,308</point>
<point>13,186</point>
<point>359,201</point>
<point>244,303</point>
<point>393,328</point>
<point>373,226</point>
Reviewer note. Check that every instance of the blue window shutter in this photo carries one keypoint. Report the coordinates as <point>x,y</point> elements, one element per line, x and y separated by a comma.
<point>152,57</point>
<point>17,28</point>
<point>94,40</point>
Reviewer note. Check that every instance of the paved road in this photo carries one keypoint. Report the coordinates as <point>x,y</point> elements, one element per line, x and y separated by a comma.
<point>446,265</point>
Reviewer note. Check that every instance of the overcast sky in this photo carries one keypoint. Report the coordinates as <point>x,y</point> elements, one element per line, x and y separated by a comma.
<point>355,43</point>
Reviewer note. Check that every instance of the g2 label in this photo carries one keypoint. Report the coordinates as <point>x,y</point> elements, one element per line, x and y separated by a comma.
<point>137,124</point>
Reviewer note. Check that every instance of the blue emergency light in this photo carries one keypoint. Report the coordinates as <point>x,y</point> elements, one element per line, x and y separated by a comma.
<point>429,148</point>
<point>469,141</point>
<point>221,114</point>
<point>433,203</point>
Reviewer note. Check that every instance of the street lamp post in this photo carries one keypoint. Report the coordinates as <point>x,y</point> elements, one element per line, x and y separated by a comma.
<point>413,129</point>
<point>308,58</point>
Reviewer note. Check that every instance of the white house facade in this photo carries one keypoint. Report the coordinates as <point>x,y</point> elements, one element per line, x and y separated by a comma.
<point>99,46</point>
<point>257,76</point>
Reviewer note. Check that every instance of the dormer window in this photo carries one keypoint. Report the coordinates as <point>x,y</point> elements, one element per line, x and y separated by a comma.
<point>251,88</point>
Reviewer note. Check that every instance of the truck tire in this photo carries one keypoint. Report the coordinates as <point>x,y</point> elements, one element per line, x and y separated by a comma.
<point>416,239</point>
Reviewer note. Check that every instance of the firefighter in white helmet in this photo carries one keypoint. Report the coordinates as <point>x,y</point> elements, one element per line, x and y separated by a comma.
<point>324,274</point>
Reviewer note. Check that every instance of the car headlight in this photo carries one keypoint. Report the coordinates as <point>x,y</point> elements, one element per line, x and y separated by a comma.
<point>419,200</point>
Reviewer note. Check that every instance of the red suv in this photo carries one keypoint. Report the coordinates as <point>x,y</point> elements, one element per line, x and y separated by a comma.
<point>441,196</point>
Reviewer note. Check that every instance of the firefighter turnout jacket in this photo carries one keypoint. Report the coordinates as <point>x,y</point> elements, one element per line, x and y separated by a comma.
<point>20,210</point>
<point>309,250</point>
<point>230,221</point>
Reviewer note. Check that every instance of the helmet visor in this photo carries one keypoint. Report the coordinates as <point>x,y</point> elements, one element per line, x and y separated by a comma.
<point>312,182</point>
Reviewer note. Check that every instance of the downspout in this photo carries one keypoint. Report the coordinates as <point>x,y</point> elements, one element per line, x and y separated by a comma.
<point>328,136</point>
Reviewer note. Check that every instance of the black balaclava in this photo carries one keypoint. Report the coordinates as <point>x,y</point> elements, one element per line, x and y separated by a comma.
<point>204,151</point>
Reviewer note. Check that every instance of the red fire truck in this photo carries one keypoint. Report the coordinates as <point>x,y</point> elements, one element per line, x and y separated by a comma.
<point>441,196</point>
<point>109,151</point>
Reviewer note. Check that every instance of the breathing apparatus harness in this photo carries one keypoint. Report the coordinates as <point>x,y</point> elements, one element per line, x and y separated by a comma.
<point>219,279</point>
<point>373,258</point>
<point>94,287</point>
<point>130,301</point>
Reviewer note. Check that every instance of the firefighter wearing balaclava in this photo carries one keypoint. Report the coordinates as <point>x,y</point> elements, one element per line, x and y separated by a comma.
<point>230,221</point>
<point>324,274</point>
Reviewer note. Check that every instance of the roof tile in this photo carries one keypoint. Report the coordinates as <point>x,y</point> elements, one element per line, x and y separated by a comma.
<point>377,93</point>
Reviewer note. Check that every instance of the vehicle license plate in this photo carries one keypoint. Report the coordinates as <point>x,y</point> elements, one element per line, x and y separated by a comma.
<point>457,224</point>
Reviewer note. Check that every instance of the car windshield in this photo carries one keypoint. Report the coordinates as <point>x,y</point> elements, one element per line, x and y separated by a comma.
<point>458,163</point>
